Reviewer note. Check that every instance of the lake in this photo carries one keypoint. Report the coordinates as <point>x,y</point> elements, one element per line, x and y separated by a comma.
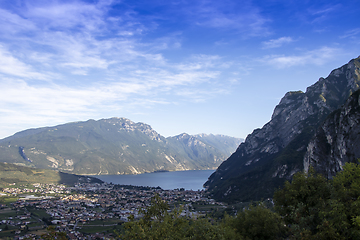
<point>189,180</point>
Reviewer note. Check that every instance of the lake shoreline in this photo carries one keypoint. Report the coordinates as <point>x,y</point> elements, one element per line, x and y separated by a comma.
<point>189,179</point>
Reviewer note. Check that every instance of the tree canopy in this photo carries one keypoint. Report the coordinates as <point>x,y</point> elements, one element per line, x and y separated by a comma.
<point>308,207</point>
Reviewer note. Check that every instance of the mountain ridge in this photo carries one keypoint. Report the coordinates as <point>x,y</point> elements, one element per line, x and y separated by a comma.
<point>272,154</point>
<point>108,146</point>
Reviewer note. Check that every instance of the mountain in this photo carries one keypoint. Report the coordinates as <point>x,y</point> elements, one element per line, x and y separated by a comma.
<point>109,146</point>
<point>272,154</point>
<point>11,173</point>
<point>337,140</point>
<point>204,149</point>
<point>223,143</point>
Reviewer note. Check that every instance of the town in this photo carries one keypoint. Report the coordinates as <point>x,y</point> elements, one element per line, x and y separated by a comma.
<point>86,211</point>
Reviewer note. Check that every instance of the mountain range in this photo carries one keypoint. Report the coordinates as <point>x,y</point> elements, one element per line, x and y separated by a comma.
<point>295,138</point>
<point>114,146</point>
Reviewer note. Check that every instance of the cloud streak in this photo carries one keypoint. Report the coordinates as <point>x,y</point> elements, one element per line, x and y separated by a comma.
<point>275,43</point>
<point>318,57</point>
<point>242,17</point>
<point>72,60</point>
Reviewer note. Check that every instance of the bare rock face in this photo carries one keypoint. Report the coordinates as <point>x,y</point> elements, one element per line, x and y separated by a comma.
<point>274,153</point>
<point>337,140</point>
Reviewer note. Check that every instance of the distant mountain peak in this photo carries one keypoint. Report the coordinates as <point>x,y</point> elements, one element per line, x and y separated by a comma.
<point>111,146</point>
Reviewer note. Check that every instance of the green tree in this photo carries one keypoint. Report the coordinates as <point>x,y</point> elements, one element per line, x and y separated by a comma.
<point>158,223</point>
<point>302,204</point>
<point>316,208</point>
<point>344,215</point>
<point>259,222</point>
<point>52,234</point>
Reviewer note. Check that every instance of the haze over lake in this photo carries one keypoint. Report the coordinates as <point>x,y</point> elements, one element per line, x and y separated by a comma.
<point>189,180</point>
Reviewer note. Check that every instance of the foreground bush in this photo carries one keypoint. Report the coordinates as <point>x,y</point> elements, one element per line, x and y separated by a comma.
<point>310,207</point>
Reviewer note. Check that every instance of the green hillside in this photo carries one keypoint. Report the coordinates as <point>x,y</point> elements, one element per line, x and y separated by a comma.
<point>108,146</point>
<point>11,173</point>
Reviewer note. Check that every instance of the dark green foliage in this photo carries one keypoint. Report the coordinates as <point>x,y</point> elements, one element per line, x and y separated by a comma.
<point>316,208</point>
<point>259,222</point>
<point>302,202</point>
<point>310,207</point>
<point>345,205</point>
<point>52,234</point>
<point>158,223</point>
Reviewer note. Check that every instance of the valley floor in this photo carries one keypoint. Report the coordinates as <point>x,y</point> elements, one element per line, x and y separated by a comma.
<point>86,211</point>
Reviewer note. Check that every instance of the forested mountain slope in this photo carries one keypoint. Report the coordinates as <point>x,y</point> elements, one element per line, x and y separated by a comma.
<point>110,146</point>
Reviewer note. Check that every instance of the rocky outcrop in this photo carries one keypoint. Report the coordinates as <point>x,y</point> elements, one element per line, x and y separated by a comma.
<point>337,141</point>
<point>272,154</point>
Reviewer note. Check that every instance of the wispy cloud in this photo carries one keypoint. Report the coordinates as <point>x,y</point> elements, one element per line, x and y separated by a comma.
<point>275,43</point>
<point>318,15</point>
<point>119,68</point>
<point>198,95</point>
<point>351,33</point>
<point>12,66</point>
<point>318,57</point>
<point>141,88</point>
<point>242,17</point>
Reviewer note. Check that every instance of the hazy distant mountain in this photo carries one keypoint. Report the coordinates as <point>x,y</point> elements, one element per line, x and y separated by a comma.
<point>111,146</point>
<point>272,154</point>
<point>223,143</point>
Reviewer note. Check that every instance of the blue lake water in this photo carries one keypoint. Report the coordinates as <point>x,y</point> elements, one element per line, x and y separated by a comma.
<point>189,180</point>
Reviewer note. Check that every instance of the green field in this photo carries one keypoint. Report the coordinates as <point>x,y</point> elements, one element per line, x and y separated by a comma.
<point>8,231</point>
<point>40,213</point>
<point>107,225</point>
<point>7,200</point>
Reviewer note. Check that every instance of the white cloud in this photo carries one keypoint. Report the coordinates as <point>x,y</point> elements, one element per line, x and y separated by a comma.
<point>319,57</point>
<point>51,103</point>
<point>198,95</point>
<point>73,35</point>
<point>12,24</point>
<point>94,66</point>
<point>242,17</point>
<point>67,16</point>
<point>13,66</point>
<point>275,43</point>
<point>319,15</point>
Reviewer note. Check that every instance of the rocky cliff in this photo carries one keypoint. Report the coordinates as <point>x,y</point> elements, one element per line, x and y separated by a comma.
<point>337,140</point>
<point>272,154</point>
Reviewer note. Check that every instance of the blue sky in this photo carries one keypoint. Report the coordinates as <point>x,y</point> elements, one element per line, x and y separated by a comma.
<point>181,66</point>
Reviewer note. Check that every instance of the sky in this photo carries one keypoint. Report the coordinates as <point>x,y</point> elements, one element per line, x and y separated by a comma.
<point>192,66</point>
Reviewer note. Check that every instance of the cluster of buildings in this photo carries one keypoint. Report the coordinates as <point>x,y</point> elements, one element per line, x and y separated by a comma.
<point>69,209</point>
<point>37,188</point>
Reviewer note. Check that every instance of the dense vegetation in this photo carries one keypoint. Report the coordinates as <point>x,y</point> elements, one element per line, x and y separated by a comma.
<point>310,207</point>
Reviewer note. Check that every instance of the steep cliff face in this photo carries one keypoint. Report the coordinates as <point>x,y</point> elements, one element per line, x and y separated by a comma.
<point>337,140</point>
<point>275,152</point>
